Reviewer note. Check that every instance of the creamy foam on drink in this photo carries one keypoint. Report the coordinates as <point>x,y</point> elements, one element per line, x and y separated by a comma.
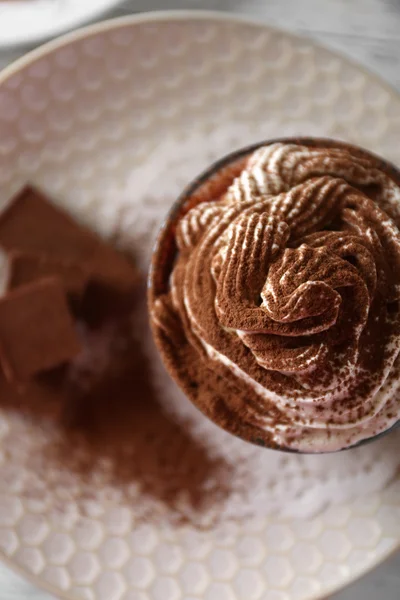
<point>290,282</point>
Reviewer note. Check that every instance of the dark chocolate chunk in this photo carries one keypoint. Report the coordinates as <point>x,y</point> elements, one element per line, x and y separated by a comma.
<point>36,330</point>
<point>34,225</point>
<point>26,268</point>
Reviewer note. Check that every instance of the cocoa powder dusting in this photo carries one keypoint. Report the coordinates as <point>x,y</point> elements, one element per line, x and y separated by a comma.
<point>73,328</point>
<point>110,427</point>
<point>285,285</point>
<point>121,420</point>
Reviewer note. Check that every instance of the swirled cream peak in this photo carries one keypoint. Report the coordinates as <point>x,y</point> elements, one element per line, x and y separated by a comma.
<point>290,282</point>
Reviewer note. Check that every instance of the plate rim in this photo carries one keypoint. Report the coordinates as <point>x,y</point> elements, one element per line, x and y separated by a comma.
<point>179,15</point>
<point>164,16</point>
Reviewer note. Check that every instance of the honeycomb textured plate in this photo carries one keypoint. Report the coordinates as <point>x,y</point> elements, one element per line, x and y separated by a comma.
<point>78,117</point>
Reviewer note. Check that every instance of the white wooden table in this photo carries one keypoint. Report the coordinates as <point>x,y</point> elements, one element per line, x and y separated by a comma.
<point>369,32</point>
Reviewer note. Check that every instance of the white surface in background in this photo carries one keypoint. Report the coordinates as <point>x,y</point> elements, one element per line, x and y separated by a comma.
<point>368,31</point>
<point>29,21</point>
<point>13,587</point>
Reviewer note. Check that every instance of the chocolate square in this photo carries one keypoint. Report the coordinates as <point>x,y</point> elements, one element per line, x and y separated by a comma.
<point>26,268</point>
<point>36,330</point>
<point>32,225</point>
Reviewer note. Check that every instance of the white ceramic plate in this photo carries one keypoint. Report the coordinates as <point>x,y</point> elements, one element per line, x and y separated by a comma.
<point>30,21</point>
<point>82,116</point>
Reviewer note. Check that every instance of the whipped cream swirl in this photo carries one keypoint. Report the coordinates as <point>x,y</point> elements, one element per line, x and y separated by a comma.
<point>291,281</point>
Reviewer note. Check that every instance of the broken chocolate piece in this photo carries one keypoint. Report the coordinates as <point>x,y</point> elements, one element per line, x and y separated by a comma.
<point>26,268</point>
<point>32,224</point>
<point>36,330</point>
